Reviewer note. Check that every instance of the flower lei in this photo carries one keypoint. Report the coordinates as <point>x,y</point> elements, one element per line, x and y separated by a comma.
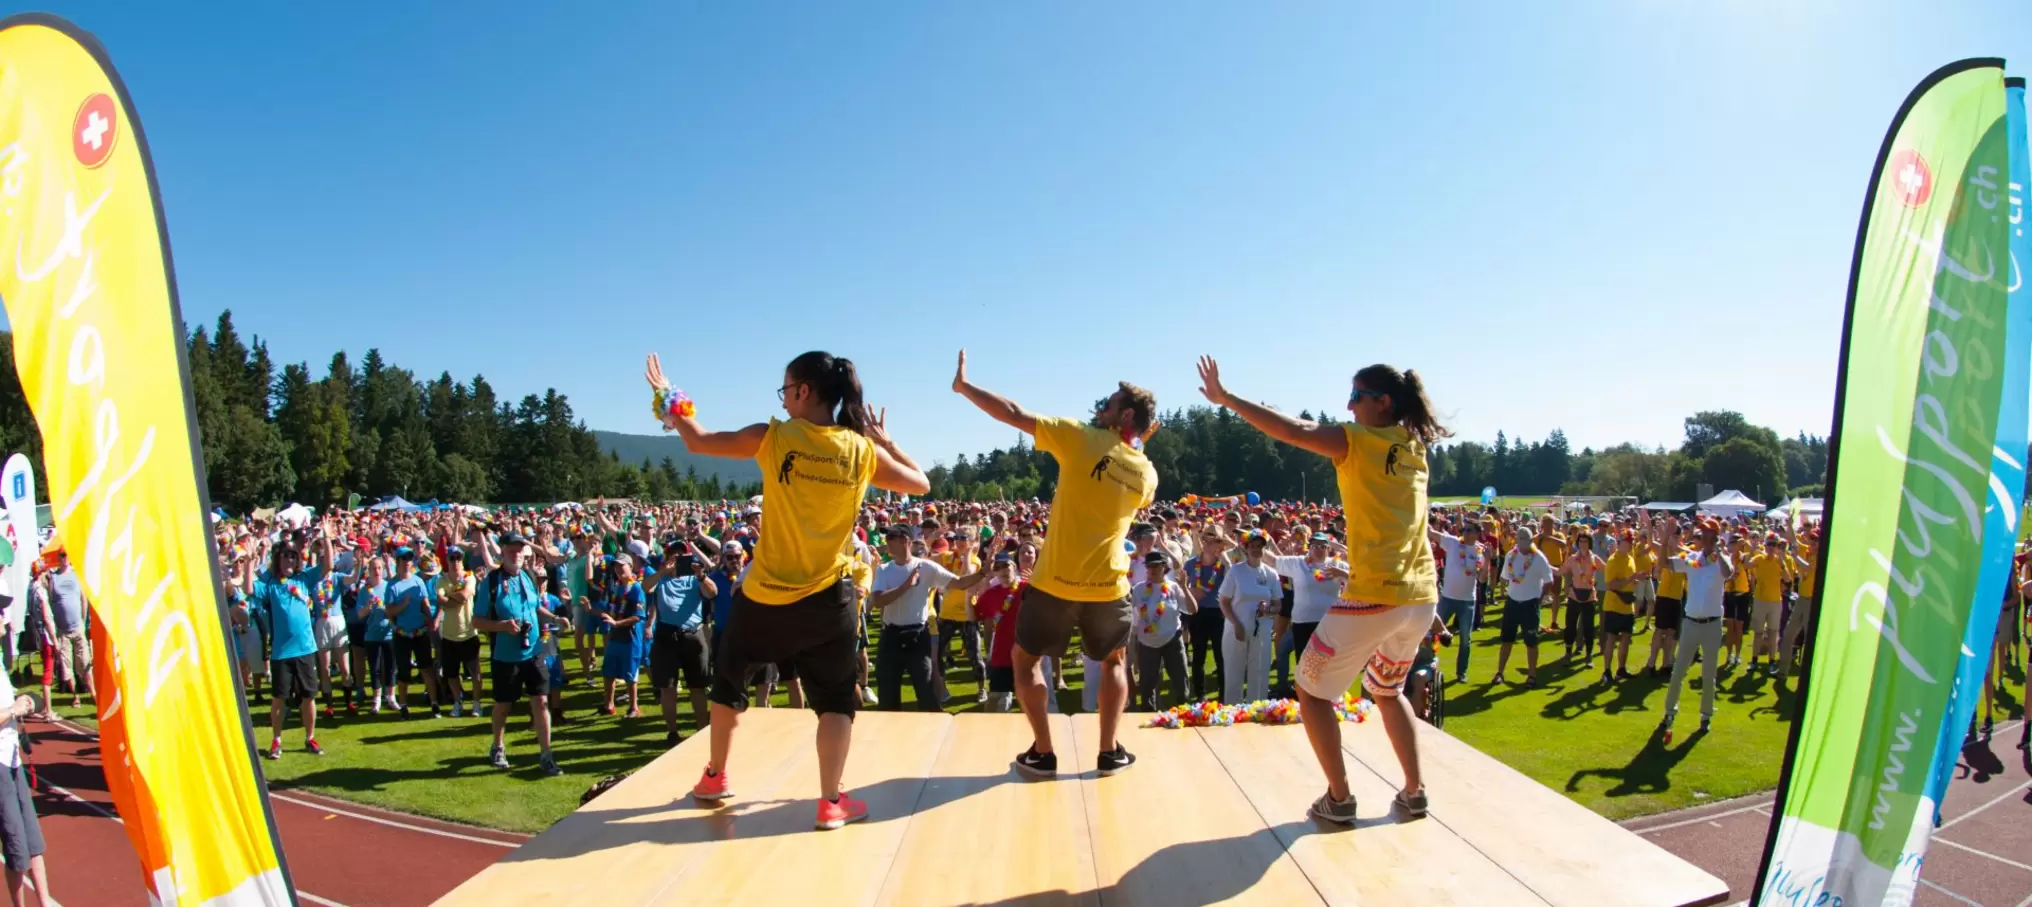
<point>1144,611</point>
<point>1262,711</point>
<point>674,403</point>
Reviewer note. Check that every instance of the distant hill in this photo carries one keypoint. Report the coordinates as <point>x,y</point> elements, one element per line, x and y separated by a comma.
<point>633,449</point>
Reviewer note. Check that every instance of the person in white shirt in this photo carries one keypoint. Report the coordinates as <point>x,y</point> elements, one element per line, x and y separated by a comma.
<point>1159,603</point>
<point>20,833</point>
<point>1250,597</point>
<point>1464,565</point>
<point>1316,580</point>
<point>1707,572</point>
<point>903,590</point>
<point>1526,573</point>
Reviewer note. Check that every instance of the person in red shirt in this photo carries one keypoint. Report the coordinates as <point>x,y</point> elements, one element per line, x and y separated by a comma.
<point>996,611</point>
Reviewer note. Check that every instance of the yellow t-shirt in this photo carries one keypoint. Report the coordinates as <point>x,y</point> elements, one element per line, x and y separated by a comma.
<point>1739,581</point>
<point>1642,558</point>
<point>1102,482</point>
<point>1809,573</point>
<point>864,577</point>
<point>1767,577</point>
<point>1554,546</point>
<point>1382,484</point>
<point>813,480</point>
<point>1619,567</point>
<point>1672,583</point>
<point>457,604</point>
<point>953,603</point>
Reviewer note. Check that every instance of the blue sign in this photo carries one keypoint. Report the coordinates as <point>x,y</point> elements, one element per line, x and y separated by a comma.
<point>1489,495</point>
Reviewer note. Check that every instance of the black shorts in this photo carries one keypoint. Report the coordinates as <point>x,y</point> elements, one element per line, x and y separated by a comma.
<point>515,679</point>
<point>1520,619</point>
<point>413,651</point>
<point>20,833</point>
<point>453,657</point>
<point>1002,679</point>
<point>1613,622</point>
<point>814,636</point>
<point>291,679</point>
<point>1669,612</point>
<point>1045,622</point>
<point>1736,606</point>
<point>674,653</point>
<point>357,632</point>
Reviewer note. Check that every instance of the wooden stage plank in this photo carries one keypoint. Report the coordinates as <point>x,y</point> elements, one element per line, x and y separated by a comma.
<point>1386,858</point>
<point>983,832</point>
<point>647,831</point>
<point>1175,829</point>
<point>1561,850</point>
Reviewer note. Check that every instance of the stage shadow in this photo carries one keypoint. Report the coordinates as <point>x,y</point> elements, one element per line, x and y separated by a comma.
<point>1648,772</point>
<point>1980,761</point>
<point>682,820</point>
<point>1218,870</point>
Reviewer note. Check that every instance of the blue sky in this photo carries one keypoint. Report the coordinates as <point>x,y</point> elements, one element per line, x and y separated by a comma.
<point>1600,216</point>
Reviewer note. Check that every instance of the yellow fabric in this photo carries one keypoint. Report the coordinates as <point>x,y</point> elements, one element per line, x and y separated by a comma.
<point>1767,577</point>
<point>1809,574</point>
<point>1619,567</point>
<point>1739,581</point>
<point>1382,484</point>
<point>813,480</point>
<point>1644,561</point>
<point>1672,583</point>
<point>456,598</point>
<point>953,603</point>
<point>1102,482</point>
<point>1554,546</point>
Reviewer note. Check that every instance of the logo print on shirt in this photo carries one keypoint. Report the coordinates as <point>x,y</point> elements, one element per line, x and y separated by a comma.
<point>1101,468</point>
<point>1390,460</point>
<point>783,472</point>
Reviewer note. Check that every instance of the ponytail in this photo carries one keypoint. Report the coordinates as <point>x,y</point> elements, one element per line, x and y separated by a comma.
<point>837,385</point>
<point>1408,402</point>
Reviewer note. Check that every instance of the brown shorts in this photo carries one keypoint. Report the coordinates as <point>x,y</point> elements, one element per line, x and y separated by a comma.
<point>1045,623</point>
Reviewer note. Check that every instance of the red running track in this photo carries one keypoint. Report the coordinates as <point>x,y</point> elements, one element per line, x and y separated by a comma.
<point>339,853</point>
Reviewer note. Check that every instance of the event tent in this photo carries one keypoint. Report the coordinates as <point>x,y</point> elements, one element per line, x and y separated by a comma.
<point>395,502</point>
<point>1731,503</point>
<point>1809,509</point>
<point>1670,506</point>
<point>294,515</point>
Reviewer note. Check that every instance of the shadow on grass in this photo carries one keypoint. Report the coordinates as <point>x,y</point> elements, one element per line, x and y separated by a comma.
<point>1648,772</point>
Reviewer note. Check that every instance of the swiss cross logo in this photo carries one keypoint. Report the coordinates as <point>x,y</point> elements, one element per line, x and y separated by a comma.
<point>95,130</point>
<point>1910,178</point>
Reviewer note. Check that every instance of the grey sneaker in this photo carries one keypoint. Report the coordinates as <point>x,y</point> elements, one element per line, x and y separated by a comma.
<point>1413,805</point>
<point>497,757</point>
<point>549,766</point>
<point>1339,812</point>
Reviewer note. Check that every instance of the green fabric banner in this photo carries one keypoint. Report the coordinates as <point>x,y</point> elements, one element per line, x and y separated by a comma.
<point>1915,422</point>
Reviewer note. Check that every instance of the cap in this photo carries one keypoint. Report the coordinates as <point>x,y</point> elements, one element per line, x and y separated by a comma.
<point>511,537</point>
<point>897,532</point>
<point>1156,559</point>
<point>1321,538</point>
<point>405,553</point>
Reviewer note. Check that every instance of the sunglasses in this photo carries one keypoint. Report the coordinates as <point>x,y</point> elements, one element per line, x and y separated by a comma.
<point>783,393</point>
<point>1362,393</point>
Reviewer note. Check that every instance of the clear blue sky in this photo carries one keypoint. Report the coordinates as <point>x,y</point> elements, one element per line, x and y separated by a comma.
<point>1601,218</point>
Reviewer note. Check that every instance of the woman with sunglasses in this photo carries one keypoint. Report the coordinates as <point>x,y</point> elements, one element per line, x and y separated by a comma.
<point>1392,592</point>
<point>798,602</point>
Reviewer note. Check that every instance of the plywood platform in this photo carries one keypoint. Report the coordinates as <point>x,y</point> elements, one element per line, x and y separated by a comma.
<point>1205,816</point>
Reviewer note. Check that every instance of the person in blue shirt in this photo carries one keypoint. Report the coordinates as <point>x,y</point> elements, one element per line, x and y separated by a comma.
<point>377,632</point>
<point>414,610</point>
<point>511,608</point>
<point>680,589</point>
<point>285,596</point>
<point>626,613</point>
<point>726,577</point>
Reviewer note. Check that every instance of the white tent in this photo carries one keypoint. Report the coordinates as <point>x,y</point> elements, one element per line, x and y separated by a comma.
<point>1809,509</point>
<point>295,515</point>
<point>1731,503</point>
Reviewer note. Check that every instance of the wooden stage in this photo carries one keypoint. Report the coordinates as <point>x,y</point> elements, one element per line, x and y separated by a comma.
<point>1205,816</point>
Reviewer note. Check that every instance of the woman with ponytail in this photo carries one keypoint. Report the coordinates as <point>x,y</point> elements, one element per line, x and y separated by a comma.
<point>798,603</point>
<point>1392,591</point>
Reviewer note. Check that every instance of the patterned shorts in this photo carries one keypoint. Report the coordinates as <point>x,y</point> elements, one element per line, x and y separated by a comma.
<point>1377,642</point>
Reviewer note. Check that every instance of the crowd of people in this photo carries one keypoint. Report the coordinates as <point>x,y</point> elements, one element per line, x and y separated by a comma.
<point>844,599</point>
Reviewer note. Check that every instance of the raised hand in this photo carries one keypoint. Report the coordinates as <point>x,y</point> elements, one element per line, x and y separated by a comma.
<point>654,373</point>
<point>1210,381</point>
<point>875,423</point>
<point>960,373</point>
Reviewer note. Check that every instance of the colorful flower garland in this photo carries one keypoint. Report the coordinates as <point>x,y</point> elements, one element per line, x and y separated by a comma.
<point>1262,711</point>
<point>672,403</point>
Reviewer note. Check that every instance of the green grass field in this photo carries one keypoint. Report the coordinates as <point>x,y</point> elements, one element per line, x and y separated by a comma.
<point>1594,743</point>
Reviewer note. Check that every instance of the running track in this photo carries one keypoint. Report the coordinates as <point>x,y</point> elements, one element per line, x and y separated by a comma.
<point>345,854</point>
<point>339,853</point>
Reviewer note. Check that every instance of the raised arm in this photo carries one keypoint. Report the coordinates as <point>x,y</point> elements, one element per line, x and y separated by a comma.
<point>1328,441</point>
<point>894,470</point>
<point>740,445</point>
<point>1000,408</point>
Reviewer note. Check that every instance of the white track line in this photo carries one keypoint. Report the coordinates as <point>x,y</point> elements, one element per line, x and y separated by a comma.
<point>392,823</point>
<point>94,807</point>
<point>1930,884</point>
<point>1697,820</point>
<point>1998,799</point>
<point>1983,853</point>
<point>328,902</point>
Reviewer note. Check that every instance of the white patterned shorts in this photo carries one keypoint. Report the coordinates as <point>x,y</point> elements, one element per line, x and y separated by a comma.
<point>1377,642</point>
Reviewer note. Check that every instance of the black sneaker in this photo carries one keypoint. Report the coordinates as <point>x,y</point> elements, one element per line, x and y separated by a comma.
<point>1036,764</point>
<point>1116,760</point>
<point>672,739</point>
<point>549,766</point>
<point>1339,812</point>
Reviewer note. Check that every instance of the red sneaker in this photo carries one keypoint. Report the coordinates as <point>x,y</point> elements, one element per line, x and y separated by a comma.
<point>712,787</point>
<point>310,746</point>
<point>837,813</point>
<point>275,748</point>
